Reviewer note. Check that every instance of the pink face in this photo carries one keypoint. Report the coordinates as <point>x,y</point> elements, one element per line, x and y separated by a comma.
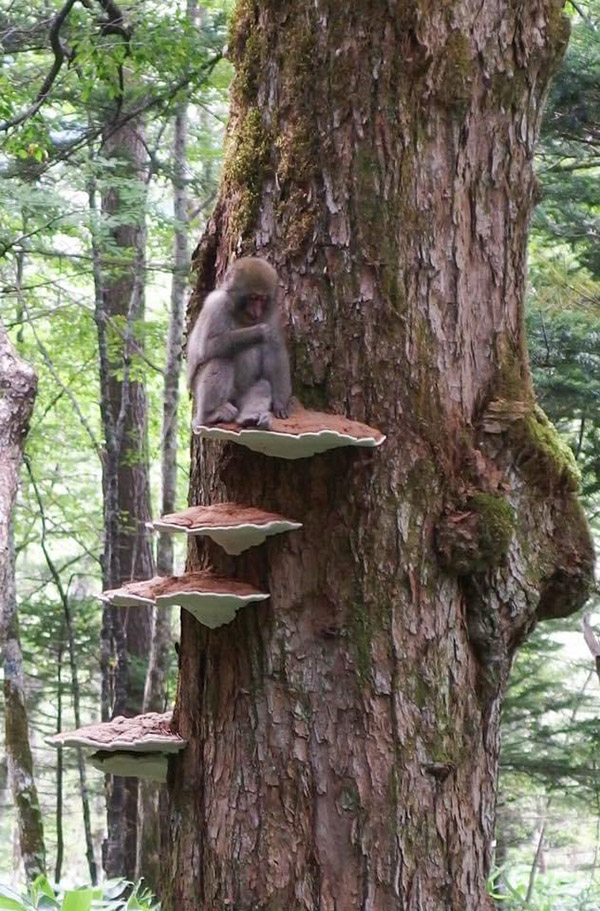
<point>255,307</point>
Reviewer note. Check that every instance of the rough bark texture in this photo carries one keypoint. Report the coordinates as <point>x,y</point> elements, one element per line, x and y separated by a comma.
<point>126,634</point>
<point>343,736</point>
<point>18,385</point>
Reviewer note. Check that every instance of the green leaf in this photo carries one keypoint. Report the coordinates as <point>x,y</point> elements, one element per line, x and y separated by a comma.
<point>42,886</point>
<point>11,900</point>
<point>77,900</point>
<point>45,903</point>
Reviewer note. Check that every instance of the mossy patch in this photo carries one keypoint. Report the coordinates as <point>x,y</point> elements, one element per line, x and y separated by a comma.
<point>455,78</point>
<point>509,88</point>
<point>296,218</point>
<point>540,453</point>
<point>246,159</point>
<point>476,538</point>
<point>244,45</point>
<point>361,635</point>
<point>558,31</point>
<point>297,147</point>
<point>496,527</point>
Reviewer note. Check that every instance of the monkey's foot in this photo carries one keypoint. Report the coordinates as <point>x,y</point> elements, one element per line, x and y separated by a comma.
<point>261,419</point>
<point>281,412</point>
<point>224,414</point>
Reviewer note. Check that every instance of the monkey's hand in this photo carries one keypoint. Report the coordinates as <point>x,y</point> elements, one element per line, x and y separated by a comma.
<point>269,333</point>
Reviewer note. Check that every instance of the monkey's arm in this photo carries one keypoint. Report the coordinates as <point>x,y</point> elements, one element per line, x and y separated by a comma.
<point>214,335</point>
<point>277,372</point>
<point>226,344</point>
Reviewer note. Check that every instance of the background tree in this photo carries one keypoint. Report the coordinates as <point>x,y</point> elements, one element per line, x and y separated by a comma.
<point>547,834</point>
<point>63,259</point>
<point>343,738</point>
<point>18,383</point>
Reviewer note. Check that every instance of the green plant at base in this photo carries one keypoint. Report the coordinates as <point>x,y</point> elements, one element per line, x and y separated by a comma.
<point>113,895</point>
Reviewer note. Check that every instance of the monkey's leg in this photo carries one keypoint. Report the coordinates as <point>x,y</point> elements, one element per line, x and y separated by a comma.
<point>255,407</point>
<point>213,391</point>
<point>276,369</point>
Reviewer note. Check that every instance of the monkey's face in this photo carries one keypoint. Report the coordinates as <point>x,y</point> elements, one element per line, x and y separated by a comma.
<point>254,309</point>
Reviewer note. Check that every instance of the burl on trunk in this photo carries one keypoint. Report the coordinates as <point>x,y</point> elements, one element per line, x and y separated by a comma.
<point>343,735</point>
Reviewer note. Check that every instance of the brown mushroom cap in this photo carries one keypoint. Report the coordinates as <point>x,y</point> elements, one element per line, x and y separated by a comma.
<point>151,732</point>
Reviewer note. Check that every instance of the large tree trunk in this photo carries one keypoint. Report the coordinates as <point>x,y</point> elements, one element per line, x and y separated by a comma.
<point>343,737</point>
<point>18,385</point>
<point>126,635</point>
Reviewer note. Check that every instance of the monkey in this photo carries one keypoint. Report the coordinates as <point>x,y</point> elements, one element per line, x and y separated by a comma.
<point>237,362</point>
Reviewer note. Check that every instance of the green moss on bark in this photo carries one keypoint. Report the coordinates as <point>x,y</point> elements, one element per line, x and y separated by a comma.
<point>361,635</point>
<point>246,160</point>
<point>456,73</point>
<point>541,454</point>
<point>476,538</point>
<point>496,525</point>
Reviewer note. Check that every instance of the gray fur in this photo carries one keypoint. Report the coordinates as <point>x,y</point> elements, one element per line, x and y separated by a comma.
<point>239,373</point>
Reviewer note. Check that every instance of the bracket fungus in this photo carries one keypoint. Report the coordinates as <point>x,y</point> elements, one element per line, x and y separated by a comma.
<point>137,746</point>
<point>235,528</point>
<point>149,766</point>
<point>304,433</point>
<point>211,599</point>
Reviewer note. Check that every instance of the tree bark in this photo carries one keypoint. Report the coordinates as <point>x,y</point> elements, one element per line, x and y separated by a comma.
<point>343,736</point>
<point>126,635</point>
<point>18,385</point>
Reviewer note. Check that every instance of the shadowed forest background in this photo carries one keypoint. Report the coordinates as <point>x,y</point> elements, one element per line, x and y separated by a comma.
<point>97,228</point>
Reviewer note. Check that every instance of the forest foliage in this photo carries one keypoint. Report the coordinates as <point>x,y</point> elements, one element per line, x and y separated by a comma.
<point>50,162</point>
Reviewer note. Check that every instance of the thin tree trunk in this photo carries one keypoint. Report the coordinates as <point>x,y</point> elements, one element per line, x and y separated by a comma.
<point>161,639</point>
<point>18,384</point>
<point>537,859</point>
<point>119,296</point>
<point>153,825</point>
<point>60,840</point>
<point>75,688</point>
<point>343,736</point>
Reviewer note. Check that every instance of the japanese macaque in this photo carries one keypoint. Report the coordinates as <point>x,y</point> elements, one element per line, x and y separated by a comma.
<point>237,362</point>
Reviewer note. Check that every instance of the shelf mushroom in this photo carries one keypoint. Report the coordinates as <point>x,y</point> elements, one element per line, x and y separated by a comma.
<point>235,528</point>
<point>212,599</point>
<point>138,747</point>
<point>304,433</point>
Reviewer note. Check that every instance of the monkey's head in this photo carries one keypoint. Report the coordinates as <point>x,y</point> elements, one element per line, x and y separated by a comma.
<point>252,285</point>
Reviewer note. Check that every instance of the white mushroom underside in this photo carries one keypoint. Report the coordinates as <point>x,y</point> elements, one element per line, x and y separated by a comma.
<point>124,599</point>
<point>287,445</point>
<point>210,608</point>
<point>149,766</point>
<point>234,538</point>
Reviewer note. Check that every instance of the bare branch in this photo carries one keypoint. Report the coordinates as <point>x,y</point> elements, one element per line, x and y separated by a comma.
<point>48,361</point>
<point>19,240</point>
<point>60,53</point>
<point>155,101</point>
<point>591,641</point>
